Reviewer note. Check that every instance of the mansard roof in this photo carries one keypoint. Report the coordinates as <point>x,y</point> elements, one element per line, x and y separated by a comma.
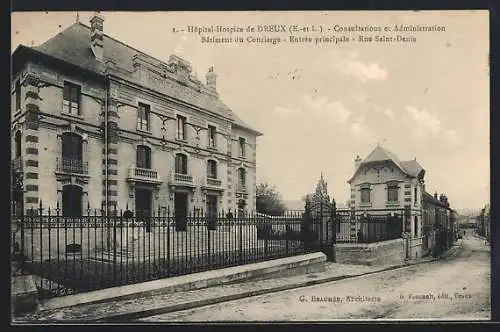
<point>72,46</point>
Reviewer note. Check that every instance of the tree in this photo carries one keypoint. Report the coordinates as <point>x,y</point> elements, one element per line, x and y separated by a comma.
<point>269,200</point>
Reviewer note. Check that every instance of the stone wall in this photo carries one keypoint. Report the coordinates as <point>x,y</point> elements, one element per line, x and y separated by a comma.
<point>379,253</point>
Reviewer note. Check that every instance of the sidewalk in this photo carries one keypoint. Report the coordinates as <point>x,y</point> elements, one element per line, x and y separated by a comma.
<point>129,310</point>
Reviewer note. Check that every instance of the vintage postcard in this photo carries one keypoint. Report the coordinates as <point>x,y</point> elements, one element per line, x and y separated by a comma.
<point>287,166</point>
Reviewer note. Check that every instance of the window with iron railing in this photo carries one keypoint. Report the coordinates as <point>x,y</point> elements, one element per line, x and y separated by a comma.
<point>71,160</point>
<point>143,114</point>
<point>212,169</point>
<point>143,157</point>
<point>71,98</point>
<point>242,179</point>
<point>181,164</point>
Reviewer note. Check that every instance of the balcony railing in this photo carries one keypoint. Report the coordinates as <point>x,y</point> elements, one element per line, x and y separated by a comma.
<point>242,188</point>
<point>143,175</point>
<point>182,179</point>
<point>75,166</point>
<point>213,182</point>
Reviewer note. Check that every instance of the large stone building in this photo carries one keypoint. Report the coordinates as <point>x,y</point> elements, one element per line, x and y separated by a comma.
<point>98,123</point>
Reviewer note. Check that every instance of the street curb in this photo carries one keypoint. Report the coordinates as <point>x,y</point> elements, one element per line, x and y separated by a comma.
<point>220,299</point>
<point>185,283</point>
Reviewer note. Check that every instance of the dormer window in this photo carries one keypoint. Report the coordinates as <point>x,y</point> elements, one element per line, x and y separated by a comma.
<point>71,98</point>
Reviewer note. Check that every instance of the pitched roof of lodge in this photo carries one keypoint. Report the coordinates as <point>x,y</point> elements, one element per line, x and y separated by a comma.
<point>411,167</point>
<point>72,45</point>
<point>431,199</point>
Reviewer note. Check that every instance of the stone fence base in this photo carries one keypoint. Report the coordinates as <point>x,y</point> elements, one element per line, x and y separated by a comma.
<point>378,253</point>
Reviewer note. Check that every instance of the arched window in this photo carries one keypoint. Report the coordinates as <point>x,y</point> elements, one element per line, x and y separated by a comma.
<point>212,169</point>
<point>242,177</point>
<point>143,157</point>
<point>72,153</point>
<point>181,163</point>
<point>72,205</point>
<point>18,145</point>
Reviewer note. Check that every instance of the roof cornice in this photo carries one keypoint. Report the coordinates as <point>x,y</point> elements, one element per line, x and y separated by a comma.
<point>23,54</point>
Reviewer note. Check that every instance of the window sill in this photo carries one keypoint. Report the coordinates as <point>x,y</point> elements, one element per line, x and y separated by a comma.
<point>392,204</point>
<point>365,204</point>
<point>77,116</point>
<point>182,140</point>
<point>213,148</point>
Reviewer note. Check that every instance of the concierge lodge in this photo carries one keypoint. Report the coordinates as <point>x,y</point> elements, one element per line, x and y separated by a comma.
<point>97,123</point>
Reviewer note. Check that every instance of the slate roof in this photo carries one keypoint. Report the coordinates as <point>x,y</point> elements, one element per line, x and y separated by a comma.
<point>379,154</point>
<point>430,199</point>
<point>72,45</point>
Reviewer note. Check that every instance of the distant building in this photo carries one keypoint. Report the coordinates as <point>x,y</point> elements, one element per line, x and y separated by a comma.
<point>483,222</point>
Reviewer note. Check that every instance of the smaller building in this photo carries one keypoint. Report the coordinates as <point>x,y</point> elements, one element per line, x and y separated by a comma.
<point>382,184</point>
<point>440,225</point>
<point>483,222</point>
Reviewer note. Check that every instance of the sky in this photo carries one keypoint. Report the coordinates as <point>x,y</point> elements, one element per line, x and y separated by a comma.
<point>320,105</point>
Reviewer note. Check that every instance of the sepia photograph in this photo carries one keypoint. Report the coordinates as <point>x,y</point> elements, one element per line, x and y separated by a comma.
<point>249,166</point>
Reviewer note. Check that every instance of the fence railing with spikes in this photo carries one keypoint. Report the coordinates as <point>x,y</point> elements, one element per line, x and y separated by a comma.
<point>104,248</point>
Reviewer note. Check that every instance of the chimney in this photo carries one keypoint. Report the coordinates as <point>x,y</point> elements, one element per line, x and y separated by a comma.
<point>211,79</point>
<point>96,35</point>
<point>435,195</point>
<point>357,162</point>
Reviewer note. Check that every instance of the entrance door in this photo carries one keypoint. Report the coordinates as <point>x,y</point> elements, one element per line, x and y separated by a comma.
<point>181,211</point>
<point>72,201</point>
<point>212,211</point>
<point>143,207</point>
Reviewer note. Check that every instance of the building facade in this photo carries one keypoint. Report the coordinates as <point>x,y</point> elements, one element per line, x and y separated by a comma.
<point>381,182</point>
<point>97,123</point>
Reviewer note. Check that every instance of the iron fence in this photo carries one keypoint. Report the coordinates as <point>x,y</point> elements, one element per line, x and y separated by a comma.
<point>358,227</point>
<point>100,250</point>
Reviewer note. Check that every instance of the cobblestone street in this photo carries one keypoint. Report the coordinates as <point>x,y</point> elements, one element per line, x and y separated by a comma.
<point>454,289</point>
